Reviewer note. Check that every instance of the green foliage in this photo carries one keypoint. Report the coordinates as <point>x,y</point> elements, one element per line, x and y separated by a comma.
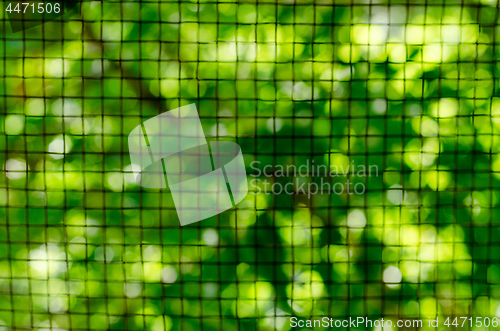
<point>410,89</point>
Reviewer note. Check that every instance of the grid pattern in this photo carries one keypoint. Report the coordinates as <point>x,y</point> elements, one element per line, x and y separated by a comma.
<point>409,88</point>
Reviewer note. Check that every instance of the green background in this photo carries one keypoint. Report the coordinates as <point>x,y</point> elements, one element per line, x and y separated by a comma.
<point>409,87</point>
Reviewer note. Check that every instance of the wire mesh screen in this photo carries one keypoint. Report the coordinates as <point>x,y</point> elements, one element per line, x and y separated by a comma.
<point>369,132</point>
